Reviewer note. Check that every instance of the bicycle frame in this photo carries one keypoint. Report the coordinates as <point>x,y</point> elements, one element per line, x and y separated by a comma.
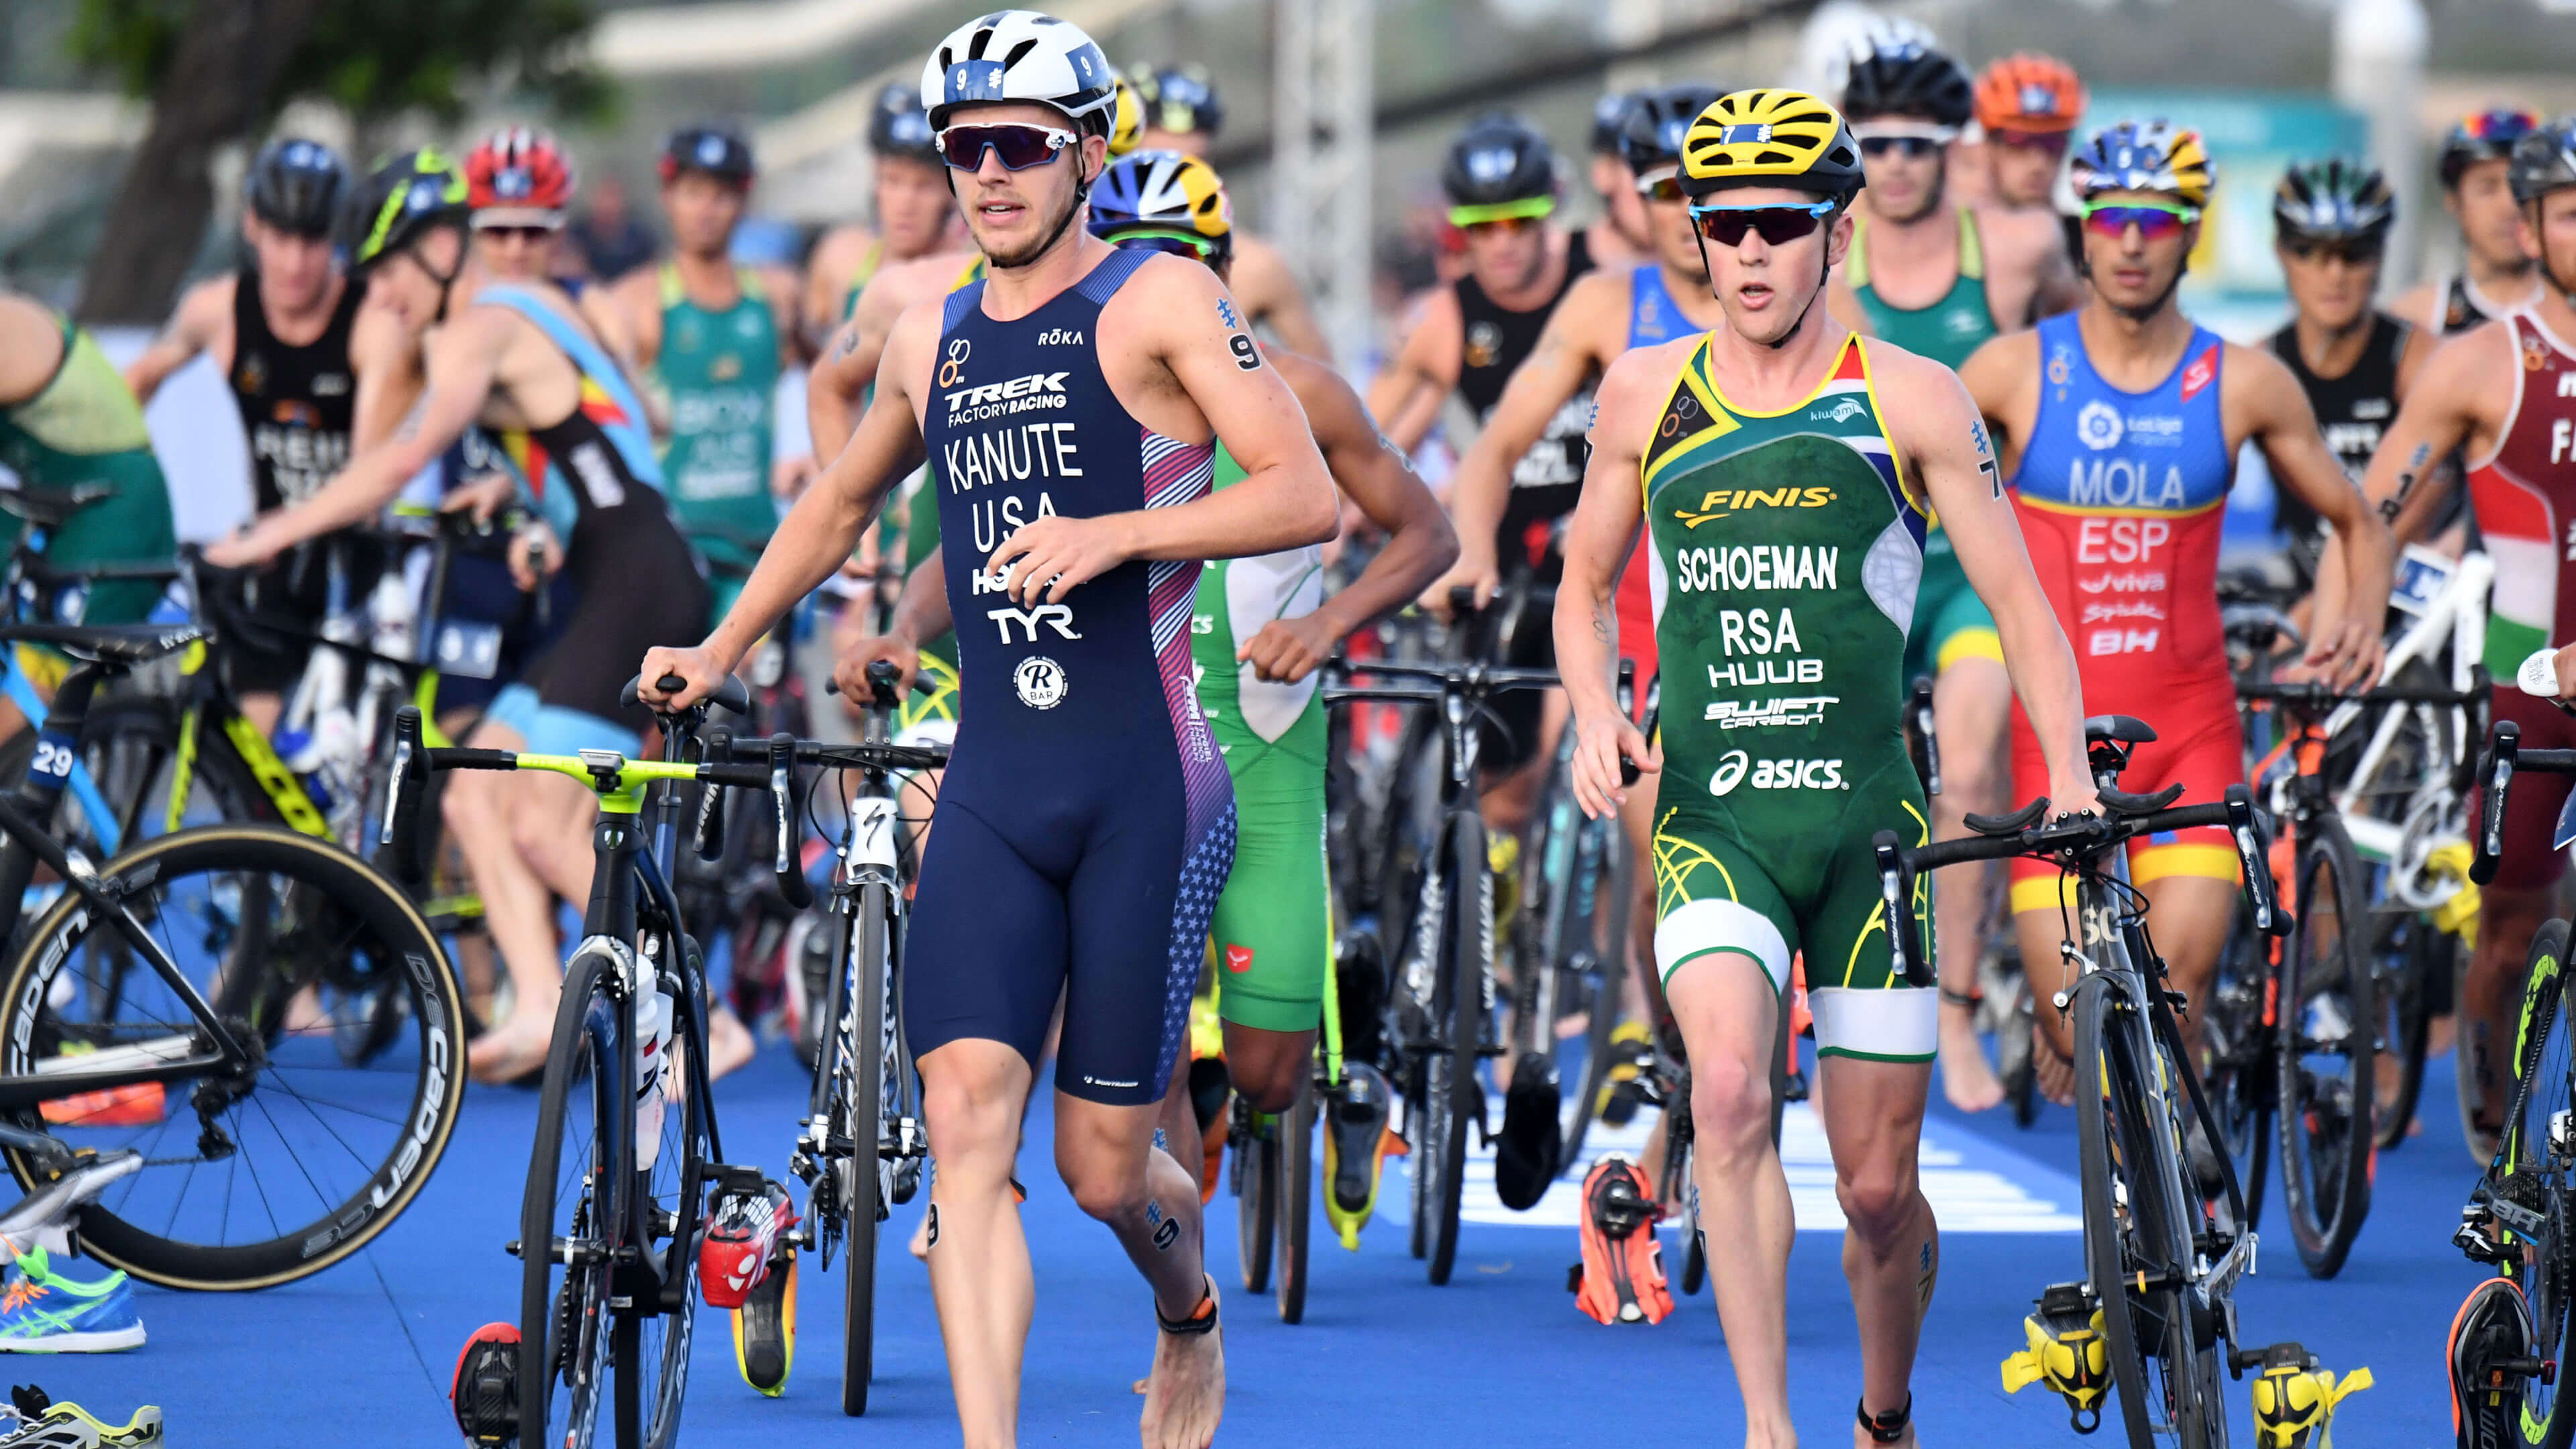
<point>2455,615</point>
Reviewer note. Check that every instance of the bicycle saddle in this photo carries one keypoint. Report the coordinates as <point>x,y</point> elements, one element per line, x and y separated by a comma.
<point>2118,727</point>
<point>108,643</point>
<point>48,508</point>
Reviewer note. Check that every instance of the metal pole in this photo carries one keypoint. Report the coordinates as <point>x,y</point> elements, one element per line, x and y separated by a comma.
<point>2379,48</point>
<point>1319,159</point>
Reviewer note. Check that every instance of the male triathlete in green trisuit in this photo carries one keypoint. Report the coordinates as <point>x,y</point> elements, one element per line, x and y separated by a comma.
<point>68,423</point>
<point>714,337</point>
<point>1937,278</point>
<point>1784,471</point>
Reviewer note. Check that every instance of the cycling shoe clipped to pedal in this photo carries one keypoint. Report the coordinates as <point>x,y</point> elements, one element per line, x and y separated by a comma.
<point>2491,1359</point>
<point>2067,1352</point>
<point>485,1391</point>
<point>33,1420</point>
<point>750,1229</point>
<point>2295,1398</point>
<point>1621,1277</point>
<point>1531,1149</point>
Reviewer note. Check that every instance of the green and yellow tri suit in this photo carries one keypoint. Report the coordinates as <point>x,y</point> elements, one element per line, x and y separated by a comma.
<point>1272,927</point>
<point>718,371</point>
<point>1950,621</point>
<point>1791,553</point>
<point>83,429</point>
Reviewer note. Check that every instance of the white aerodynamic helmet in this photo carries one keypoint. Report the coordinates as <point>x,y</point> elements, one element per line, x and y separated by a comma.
<point>1021,55</point>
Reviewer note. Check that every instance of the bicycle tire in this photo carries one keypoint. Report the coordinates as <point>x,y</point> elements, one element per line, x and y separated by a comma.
<point>566,1327</point>
<point>1609,994</point>
<point>335,905</point>
<point>2325,1136</point>
<point>862,1108</point>
<point>1426,1075</point>
<point>1465,950</point>
<point>2243,1065</point>
<point>1256,1205</point>
<point>2407,1027</point>
<point>2546,1268</point>
<point>1296,1200</point>
<point>2141,1326</point>
<point>669,1194</point>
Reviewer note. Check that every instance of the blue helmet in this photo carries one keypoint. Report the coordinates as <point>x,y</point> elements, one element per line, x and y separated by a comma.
<point>296,185</point>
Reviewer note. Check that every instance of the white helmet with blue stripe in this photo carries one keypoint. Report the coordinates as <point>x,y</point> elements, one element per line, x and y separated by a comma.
<point>1021,55</point>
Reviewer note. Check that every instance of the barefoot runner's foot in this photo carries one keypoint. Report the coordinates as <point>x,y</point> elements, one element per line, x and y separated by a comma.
<point>1967,1078</point>
<point>1186,1395</point>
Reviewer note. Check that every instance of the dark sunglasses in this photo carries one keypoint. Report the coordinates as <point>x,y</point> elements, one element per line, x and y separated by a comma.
<point>1018,147</point>
<point>1668,188</point>
<point>1912,148</point>
<point>1726,225</point>
<point>2152,219</point>
<point>515,233</point>
<point>2052,142</point>
<point>2351,254</point>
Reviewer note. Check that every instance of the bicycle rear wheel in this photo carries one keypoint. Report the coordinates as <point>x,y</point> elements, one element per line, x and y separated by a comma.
<point>2135,1224</point>
<point>2407,968</point>
<point>2328,1026</point>
<point>572,1217</point>
<point>2243,1065</point>
<point>655,1336</point>
<point>1296,1135</point>
<point>2539,1175</point>
<point>1255,1152</point>
<point>278,1169</point>
<point>1613,890</point>
<point>1459,1013</point>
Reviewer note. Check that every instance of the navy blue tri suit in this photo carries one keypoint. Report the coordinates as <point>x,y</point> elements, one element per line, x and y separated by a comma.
<point>1086,822</point>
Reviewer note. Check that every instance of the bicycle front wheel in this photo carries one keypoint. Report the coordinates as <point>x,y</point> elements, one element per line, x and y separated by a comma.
<point>655,1335</point>
<point>286,1163</point>
<point>1461,1014</point>
<point>2538,1175</point>
<point>572,1216</point>
<point>862,1063</point>
<point>1254,1152</point>
<point>2135,1224</point>
<point>2326,1068</point>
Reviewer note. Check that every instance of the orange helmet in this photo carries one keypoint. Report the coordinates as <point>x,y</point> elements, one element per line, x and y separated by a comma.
<point>2032,94</point>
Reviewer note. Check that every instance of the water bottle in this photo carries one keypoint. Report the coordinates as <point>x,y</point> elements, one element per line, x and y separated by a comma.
<point>652,1062</point>
<point>390,613</point>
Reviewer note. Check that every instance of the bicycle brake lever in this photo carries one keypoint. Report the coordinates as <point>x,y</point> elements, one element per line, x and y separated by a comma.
<point>1895,887</point>
<point>2504,745</point>
<point>2244,833</point>
<point>792,885</point>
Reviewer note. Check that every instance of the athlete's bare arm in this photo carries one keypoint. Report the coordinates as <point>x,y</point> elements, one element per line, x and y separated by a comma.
<point>1570,349</point>
<point>465,362</point>
<point>921,613</point>
<point>2412,354</point>
<point>1598,540</point>
<point>815,538</point>
<point>2262,402</point>
<point>635,301</point>
<point>2028,275</point>
<point>2002,377</point>
<point>1270,295</point>
<point>31,348</point>
<point>386,360</point>
<point>2454,405</point>
<point>202,323</point>
<point>1174,348</point>
<point>827,278</point>
<point>848,363</point>
<point>1420,543</point>
<point>1406,397</point>
<point>2417,305</point>
<point>1949,459</point>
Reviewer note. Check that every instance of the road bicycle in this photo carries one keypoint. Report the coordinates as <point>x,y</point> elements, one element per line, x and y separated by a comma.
<point>2518,1217</point>
<point>862,1147</point>
<point>2161,1257</point>
<point>1444,989</point>
<point>626,1142</point>
<point>143,1033</point>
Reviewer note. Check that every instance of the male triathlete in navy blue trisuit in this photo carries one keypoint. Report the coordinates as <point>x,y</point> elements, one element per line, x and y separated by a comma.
<point>1073,399</point>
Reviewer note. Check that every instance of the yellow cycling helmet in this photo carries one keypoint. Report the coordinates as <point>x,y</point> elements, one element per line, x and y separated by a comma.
<point>1165,200</point>
<point>1127,121</point>
<point>2150,156</point>
<point>1771,138</point>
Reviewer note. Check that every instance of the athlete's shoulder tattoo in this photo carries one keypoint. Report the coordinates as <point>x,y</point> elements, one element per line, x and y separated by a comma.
<point>1247,353</point>
<point>1986,465</point>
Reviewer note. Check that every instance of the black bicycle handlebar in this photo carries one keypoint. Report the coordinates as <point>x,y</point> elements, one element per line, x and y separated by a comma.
<point>2321,696</point>
<point>1471,677</point>
<point>2075,840</point>
<point>2504,756</point>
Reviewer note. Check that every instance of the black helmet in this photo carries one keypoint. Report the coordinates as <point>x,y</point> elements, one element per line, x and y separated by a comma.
<point>718,151</point>
<point>1609,116</point>
<point>1904,77</point>
<point>2487,135</point>
<point>1179,98</point>
<point>2333,201</point>
<point>1500,160</point>
<point>898,126</point>
<point>2544,160</point>
<point>296,185</point>
<point>414,193</point>
<point>1659,121</point>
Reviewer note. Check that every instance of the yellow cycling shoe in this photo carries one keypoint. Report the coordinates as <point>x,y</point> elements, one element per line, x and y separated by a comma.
<point>2067,1352</point>
<point>1356,1133</point>
<point>764,1331</point>
<point>2294,1400</point>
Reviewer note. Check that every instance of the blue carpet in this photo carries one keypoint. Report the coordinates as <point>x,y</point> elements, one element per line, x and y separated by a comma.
<point>363,1354</point>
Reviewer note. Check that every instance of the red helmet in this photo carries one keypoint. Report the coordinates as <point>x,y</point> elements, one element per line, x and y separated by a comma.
<point>518,177</point>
